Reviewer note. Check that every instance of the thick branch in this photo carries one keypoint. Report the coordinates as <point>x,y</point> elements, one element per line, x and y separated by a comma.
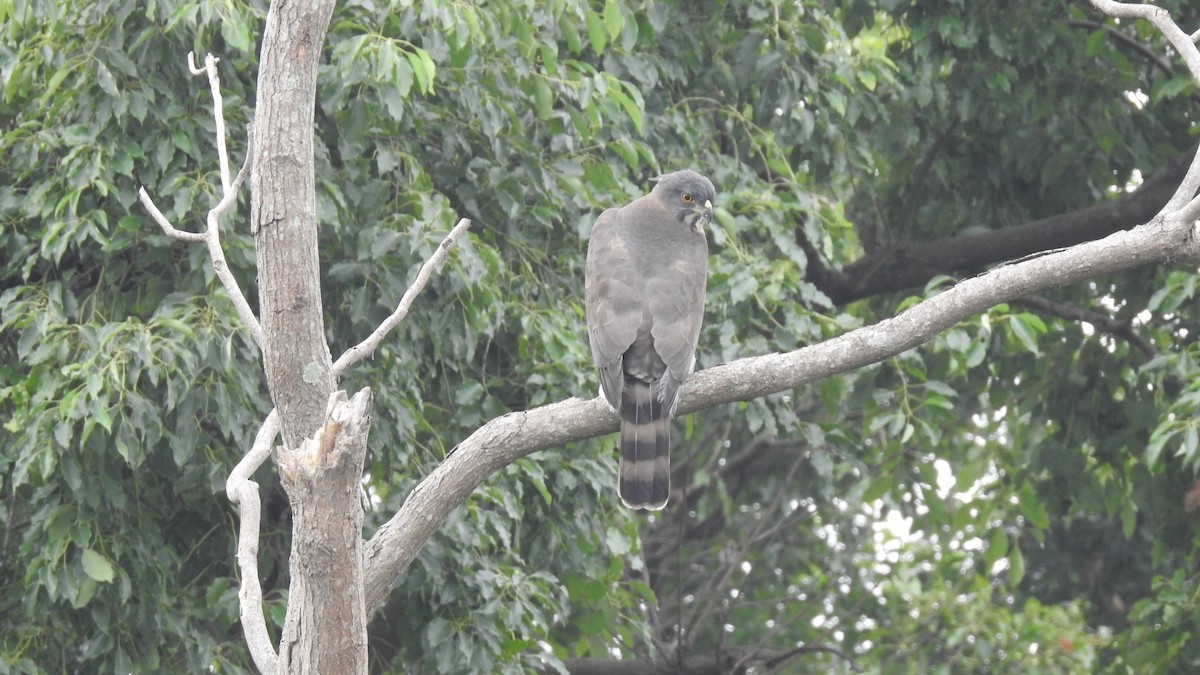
<point>244,492</point>
<point>509,437</point>
<point>909,265</point>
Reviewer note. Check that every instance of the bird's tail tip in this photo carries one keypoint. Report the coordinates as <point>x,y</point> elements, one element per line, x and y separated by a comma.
<point>645,444</point>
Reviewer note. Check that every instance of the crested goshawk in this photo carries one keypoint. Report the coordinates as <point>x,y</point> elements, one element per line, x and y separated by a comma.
<point>647,264</point>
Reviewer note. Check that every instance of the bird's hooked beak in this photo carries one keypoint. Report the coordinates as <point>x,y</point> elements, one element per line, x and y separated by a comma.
<point>705,217</point>
<point>696,216</point>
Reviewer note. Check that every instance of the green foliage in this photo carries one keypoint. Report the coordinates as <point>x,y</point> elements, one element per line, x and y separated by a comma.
<point>1007,497</point>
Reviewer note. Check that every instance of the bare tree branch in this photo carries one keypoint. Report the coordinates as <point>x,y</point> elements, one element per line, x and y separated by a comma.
<point>244,493</point>
<point>164,223</point>
<point>212,236</point>
<point>368,346</point>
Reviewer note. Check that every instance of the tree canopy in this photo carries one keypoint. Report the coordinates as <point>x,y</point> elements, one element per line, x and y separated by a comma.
<point>1010,496</point>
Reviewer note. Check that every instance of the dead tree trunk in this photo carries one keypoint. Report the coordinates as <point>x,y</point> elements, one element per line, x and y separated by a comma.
<point>324,436</point>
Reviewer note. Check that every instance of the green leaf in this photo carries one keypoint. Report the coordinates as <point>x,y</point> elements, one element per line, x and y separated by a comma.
<point>543,98</point>
<point>632,108</point>
<point>1128,518</point>
<point>1171,88</point>
<point>997,547</point>
<point>597,36</point>
<point>438,630</point>
<point>1158,440</point>
<point>617,541</point>
<point>423,69</point>
<point>55,82</point>
<point>613,20</point>
<point>1016,565</point>
<point>105,78</point>
<point>237,33</point>
<point>879,486</point>
<point>1021,329</point>
<point>625,149</point>
<point>1034,510</point>
<point>570,33</point>
<point>837,100</point>
<point>867,78</point>
<point>14,81</point>
<point>1191,443</point>
<point>592,591</point>
<point>62,434</point>
<point>97,566</point>
<point>430,69</point>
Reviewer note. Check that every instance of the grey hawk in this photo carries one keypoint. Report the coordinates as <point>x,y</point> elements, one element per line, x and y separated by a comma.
<point>647,264</point>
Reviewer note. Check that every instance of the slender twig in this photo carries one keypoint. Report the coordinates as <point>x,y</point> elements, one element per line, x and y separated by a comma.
<point>214,85</point>
<point>244,493</point>
<point>1103,322</point>
<point>241,491</point>
<point>780,659</point>
<point>165,224</point>
<point>1126,41</point>
<point>367,347</point>
<point>1181,41</point>
<point>1130,42</point>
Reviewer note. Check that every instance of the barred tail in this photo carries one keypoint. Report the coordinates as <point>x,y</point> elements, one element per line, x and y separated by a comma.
<point>645,471</point>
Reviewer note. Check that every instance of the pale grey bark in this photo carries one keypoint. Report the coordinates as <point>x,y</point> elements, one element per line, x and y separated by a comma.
<point>324,437</point>
<point>325,630</point>
<point>283,217</point>
<point>368,346</point>
<point>243,492</point>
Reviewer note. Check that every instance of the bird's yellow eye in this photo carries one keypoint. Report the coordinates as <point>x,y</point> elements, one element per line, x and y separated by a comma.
<point>687,199</point>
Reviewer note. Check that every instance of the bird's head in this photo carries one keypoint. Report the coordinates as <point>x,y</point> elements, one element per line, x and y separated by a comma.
<point>688,195</point>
